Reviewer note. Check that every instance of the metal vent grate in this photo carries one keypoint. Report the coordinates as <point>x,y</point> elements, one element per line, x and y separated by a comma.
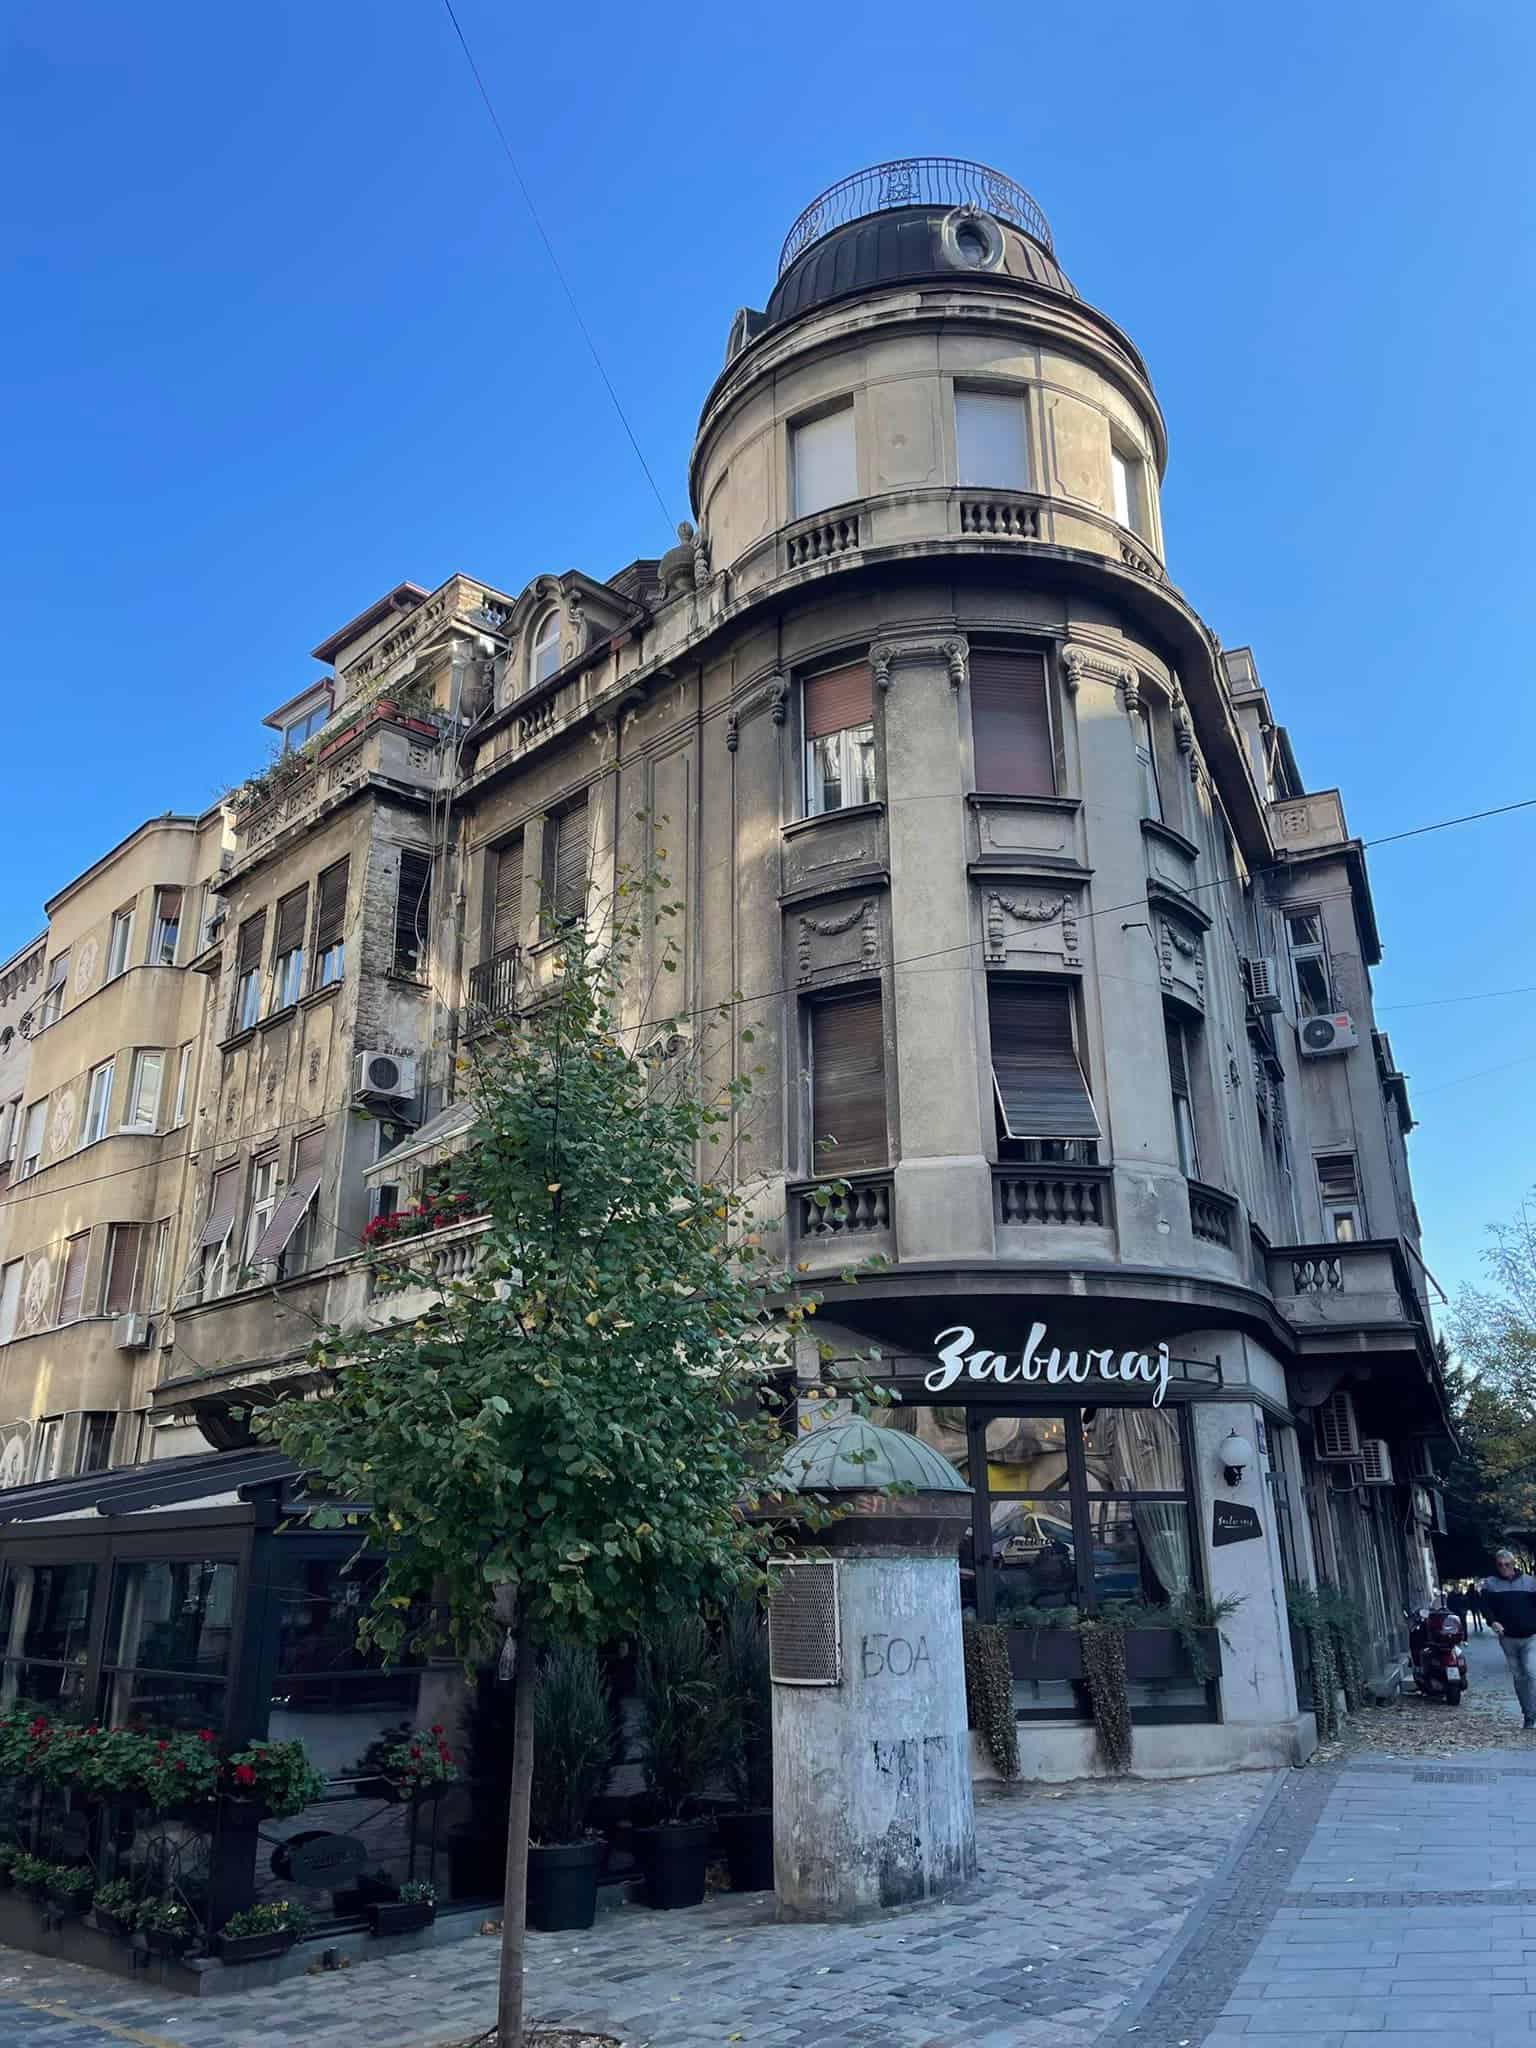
<point>804,1638</point>
<point>1429,1775</point>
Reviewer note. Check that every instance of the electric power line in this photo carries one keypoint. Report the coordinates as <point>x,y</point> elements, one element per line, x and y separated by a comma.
<point>555,264</point>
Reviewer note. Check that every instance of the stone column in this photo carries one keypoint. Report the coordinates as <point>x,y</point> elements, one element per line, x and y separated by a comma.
<point>871,1751</point>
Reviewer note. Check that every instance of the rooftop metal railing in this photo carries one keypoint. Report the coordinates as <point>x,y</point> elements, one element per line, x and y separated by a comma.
<point>915,181</point>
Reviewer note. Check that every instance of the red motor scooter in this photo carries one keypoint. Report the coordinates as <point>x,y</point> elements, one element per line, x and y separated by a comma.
<point>1437,1653</point>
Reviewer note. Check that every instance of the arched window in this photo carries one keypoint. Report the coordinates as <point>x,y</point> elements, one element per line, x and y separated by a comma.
<point>544,655</point>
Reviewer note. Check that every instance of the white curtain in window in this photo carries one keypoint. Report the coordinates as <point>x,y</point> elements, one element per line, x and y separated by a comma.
<point>1142,1445</point>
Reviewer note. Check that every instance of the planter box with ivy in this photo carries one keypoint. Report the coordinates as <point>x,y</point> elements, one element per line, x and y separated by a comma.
<point>262,1932</point>
<point>415,1908</point>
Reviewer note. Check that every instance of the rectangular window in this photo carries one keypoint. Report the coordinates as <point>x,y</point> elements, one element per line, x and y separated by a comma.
<point>847,1085</point>
<point>1310,963</point>
<point>45,1610</point>
<point>1126,480</point>
<point>330,924</point>
<point>72,1286</point>
<point>123,1242</point>
<point>153,1293</point>
<point>288,1231</point>
<point>144,1091</point>
<point>838,709</point>
<point>10,1130</point>
<point>248,947</point>
<point>568,866</point>
<point>263,1202</point>
<point>93,1446</point>
<point>1146,766</point>
<point>166,931</point>
<point>1041,1091</point>
<point>1011,724</point>
<point>1182,1040</point>
<point>506,887</point>
<point>46,1451</point>
<point>53,992</point>
<point>32,1138</point>
<point>213,1244</point>
<point>991,440</point>
<point>98,1103</point>
<point>183,1082</point>
<point>10,1298</point>
<point>413,897</point>
<point>119,939</point>
<point>1338,1184</point>
<point>288,948</point>
<point>823,463</point>
<point>170,1636</point>
<point>303,728</point>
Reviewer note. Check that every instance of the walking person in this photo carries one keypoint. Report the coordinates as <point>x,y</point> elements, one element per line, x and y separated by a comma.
<point>1508,1598</point>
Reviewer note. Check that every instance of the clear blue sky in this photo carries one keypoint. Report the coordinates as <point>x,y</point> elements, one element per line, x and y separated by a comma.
<point>275,332</point>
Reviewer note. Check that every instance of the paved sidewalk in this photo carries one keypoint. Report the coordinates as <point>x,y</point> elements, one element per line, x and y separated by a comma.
<point>1080,1893</point>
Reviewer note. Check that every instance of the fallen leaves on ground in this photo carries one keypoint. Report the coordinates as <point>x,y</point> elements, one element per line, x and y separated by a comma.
<point>1414,1726</point>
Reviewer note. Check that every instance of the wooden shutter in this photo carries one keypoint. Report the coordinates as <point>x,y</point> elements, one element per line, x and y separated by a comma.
<point>847,1085</point>
<point>507,897</point>
<point>1338,1177</point>
<point>570,878</point>
<point>248,953</point>
<point>840,698</point>
<point>1011,724</point>
<point>308,1154</point>
<point>412,900</point>
<point>330,906</point>
<point>1035,1069</point>
<point>291,915</point>
<point>1178,1065</point>
<point>72,1293</point>
<point>122,1263</point>
<point>223,1200</point>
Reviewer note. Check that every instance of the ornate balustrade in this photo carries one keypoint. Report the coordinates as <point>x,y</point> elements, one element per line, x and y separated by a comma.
<point>1075,1196</point>
<point>860,1207</point>
<point>1212,1214</point>
<point>821,540</point>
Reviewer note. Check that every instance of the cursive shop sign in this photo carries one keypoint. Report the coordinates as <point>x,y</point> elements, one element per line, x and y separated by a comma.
<point>1055,1368</point>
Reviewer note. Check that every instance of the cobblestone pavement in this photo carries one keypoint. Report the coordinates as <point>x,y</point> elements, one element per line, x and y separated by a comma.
<point>1380,1903</point>
<point>1080,1892</point>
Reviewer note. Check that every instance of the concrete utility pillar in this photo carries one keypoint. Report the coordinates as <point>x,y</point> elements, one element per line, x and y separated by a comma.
<point>871,1755</point>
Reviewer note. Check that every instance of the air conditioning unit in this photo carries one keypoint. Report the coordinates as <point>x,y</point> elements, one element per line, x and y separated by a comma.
<point>1375,1461</point>
<point>390,1075</point>
<point>1263,984</point>
<point>1338,1435</point>
<point>131,1333</point>
<point>1320,1035</point>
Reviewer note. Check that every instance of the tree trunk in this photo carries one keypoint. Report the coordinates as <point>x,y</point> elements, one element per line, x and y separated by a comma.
<point>514,1912</point>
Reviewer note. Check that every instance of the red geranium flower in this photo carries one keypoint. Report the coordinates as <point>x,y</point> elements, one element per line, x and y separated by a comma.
<point>244,1775</point>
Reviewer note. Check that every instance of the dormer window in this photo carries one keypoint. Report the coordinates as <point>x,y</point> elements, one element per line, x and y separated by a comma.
<point>300,729</point>
<point>544,655</point>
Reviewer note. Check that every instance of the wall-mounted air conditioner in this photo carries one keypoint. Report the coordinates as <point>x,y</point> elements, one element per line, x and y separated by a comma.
<point>131,1333</point>
<point>1375,1461</point>
<point>1263,983</point>
<point>389,1076</point>
<point>1321,1035</point>
<point>1338,1434</point>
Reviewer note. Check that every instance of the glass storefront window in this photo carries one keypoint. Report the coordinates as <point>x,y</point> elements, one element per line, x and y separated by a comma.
<point>169,1642</point>
<point>1140,1551</point>
<point>45,1625</point>
<point>1033,1555</point>
<point>327,1691</point>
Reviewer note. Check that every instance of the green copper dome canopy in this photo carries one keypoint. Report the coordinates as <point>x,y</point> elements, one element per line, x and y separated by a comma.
<point>855,1457</point>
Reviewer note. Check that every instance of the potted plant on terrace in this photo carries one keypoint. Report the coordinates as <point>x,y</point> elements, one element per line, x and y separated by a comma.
<point>420,1764</point>
<point>30,1874</point>
<point>748,1832</point>
<point>69,1887</point>
<point>414,1907</point>
<point>261,1932</point>
<point>110,1764</point>
<point>573,1748</point>
<point>180,1770</point>
<point>685,1745</point>
<point>273,1780</point>
<point>114,1907</point>
<point>166,1924</point>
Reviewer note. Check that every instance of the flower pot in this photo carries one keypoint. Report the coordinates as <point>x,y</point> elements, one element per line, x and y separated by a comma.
<point>113,1923</point>
<point>562,1885</point>
<point>676,1856</point>
<point>256,1948</point>
<point>166,1941</point>
<point>243,1813</point>
<point>396,1917</point>
<point>748,1839</point>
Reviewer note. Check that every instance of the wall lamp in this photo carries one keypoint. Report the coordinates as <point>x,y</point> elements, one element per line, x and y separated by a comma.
<point>1235,1453</point>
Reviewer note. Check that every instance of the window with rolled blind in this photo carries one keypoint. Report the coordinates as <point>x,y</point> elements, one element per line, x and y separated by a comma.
<point>1011,724</point>
<point>1180,1038</point>
<point>1042,1095</point>
<point>123,1241</point>
<point>847,1085</point>
<point>507,896</point>
<point>568,866</point>
<point>248,971</point>
<point>288,948</point>
<point>837,709</point>
<point>412,906</point>
<point>330,923</point>
<point>287,1231</point>
<point>72,1289</point>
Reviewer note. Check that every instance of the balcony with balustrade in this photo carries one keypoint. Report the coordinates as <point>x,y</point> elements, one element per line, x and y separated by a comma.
<point>1358,1297</point>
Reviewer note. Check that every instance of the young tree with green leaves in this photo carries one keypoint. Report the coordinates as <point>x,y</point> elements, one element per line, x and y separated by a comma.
<point>576,1433</point>
<point>1492,1385</point>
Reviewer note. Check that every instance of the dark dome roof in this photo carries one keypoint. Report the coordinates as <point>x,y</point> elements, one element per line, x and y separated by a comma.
<point>894,247</point>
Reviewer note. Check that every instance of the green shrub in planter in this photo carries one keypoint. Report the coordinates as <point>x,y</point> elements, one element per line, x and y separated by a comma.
<point>686,1741</point>
<point>747,1834</point>
<point>70,1886</point>
<point>31,1873</point>
<point>989,1694</point>
<point>180,1770</point>
<point>274,1916</point>
<point>166,1923</point>
<point>276,1776</point>
<point>573,1742</point>
<point>115,1905</point>
<point>420,1759</point>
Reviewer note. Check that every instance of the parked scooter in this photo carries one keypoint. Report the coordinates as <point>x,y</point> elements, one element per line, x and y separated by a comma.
<point>1437,1653</point>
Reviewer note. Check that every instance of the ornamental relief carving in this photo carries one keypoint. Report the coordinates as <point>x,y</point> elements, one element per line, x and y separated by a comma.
<point>1177,944</point>
<point>865,951</point>
<point>772,693</point>
<point>885,656</point>
<point>1049,924</point>
<point>1078,662</point>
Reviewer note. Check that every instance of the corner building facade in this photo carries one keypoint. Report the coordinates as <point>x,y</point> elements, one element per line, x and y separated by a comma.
<point>1047,952</point>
